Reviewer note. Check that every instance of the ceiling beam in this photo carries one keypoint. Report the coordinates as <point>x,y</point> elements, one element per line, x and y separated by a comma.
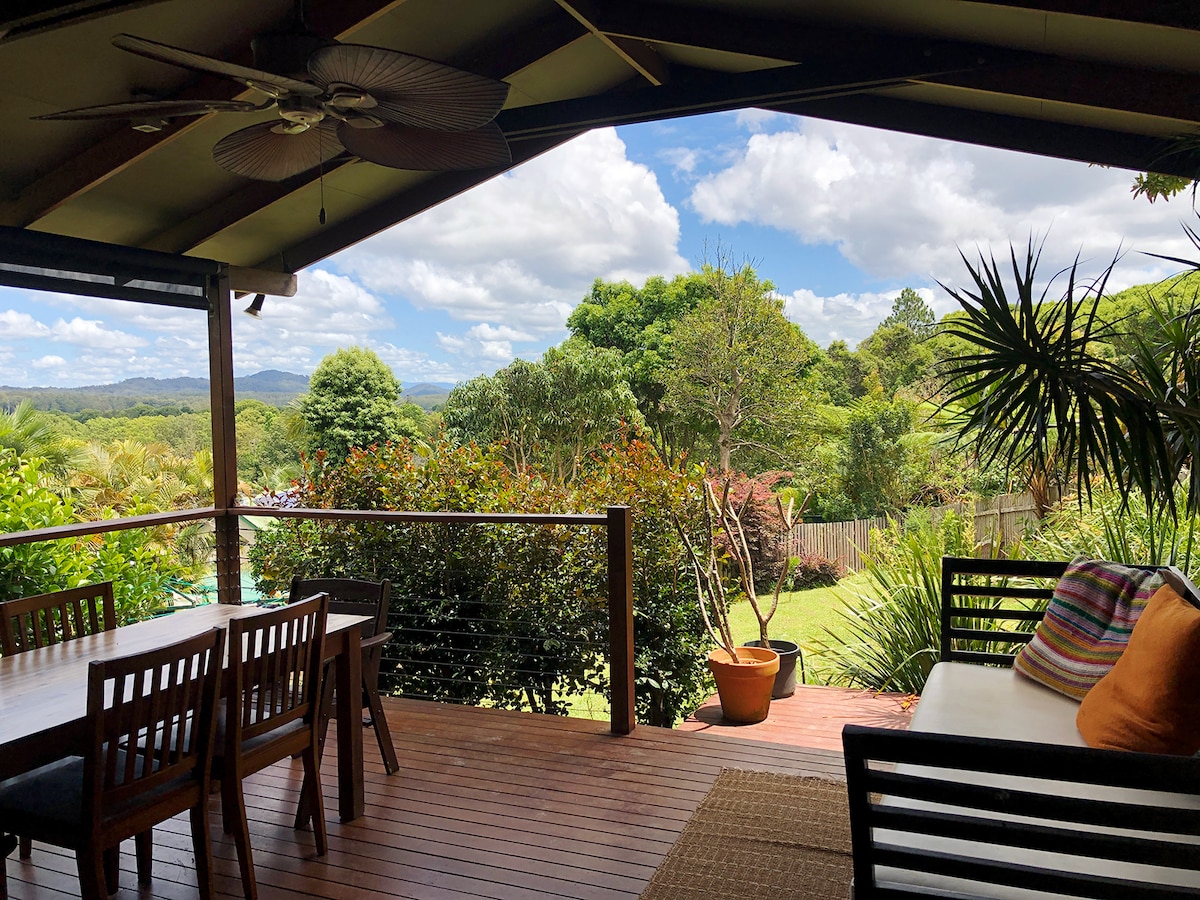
<point>19,18</point>
<point>392,210</point>
<point>120,149</point>
<point>1143,91</point>
<point>637,55</point>
<point>1025,74</point>
<point>1171,13</point>
<point>1044,138</point>
<point>705,92</point>
<point>500,61</point>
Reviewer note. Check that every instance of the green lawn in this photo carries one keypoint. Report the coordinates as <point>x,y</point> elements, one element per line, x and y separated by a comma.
<point>802,616</point>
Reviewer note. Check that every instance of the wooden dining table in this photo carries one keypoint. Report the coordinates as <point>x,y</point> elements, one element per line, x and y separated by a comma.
<point>43,692</point>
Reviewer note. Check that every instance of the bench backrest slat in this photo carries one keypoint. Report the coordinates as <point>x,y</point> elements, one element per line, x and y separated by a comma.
<point>945,806</point>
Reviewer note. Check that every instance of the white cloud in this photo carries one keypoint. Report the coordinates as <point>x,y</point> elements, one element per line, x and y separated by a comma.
<point>48,362</point>
<point>848,317</point>
<point>521,250</point>
<point>18,325</point>
<point>329,311</point>
<point>93,334</point>
<point>897,206</point>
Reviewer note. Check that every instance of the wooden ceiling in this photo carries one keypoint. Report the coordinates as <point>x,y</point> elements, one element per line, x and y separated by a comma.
<point>1094,80</point>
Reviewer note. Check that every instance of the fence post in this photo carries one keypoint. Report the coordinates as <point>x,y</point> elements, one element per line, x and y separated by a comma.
<point>620,619</point>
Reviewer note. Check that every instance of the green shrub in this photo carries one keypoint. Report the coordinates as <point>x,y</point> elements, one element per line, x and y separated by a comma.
<point>808,570</point>
<point>138,561</point>
<point>1104,528</point>
<point>508,615</point>
<point>889,636</point>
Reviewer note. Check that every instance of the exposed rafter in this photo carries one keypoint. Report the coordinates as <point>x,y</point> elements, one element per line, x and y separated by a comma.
<point>1039,76</point>
<point>1174,13</point>
<point>638,55</point>
<point>706,92</point>
<point>24,17</point>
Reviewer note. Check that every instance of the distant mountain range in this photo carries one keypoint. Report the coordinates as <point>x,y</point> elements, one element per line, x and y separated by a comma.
<point>269,386</point>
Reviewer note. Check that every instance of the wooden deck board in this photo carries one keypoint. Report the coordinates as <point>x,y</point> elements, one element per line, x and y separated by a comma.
<point>488,804</point>
<point>812,717</point>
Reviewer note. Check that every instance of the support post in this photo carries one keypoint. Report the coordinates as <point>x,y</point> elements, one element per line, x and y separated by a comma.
<point>622,709</point>
<point>224,440</point>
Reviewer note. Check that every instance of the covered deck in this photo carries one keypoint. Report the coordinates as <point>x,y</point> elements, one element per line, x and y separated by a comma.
<point>487,804</point>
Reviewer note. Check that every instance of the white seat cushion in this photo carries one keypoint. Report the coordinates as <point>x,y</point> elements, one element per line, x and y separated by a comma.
<point>985,701</point>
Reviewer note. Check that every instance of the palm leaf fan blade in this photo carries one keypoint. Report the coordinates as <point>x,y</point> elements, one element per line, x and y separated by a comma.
<point>265,154</point>
<point>410,90</point>
<point>279,85</point>
<point>420,149</point>
<point>163,109</point>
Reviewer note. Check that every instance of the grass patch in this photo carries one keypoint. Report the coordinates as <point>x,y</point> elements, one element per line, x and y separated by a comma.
<point>803,617</point>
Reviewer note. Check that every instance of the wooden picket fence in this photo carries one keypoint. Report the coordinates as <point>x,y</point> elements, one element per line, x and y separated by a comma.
<point>1002,519</point>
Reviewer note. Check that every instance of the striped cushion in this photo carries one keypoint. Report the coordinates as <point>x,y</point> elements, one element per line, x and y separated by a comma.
<point>1087,625</point>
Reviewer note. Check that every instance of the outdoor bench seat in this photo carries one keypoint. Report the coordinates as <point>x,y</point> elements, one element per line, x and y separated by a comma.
<point>993,793</point>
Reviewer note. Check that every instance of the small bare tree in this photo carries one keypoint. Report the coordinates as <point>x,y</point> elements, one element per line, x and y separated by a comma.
<point>720,516</point>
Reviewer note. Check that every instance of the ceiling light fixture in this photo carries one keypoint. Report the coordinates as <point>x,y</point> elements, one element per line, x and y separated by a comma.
<point>255,307</point>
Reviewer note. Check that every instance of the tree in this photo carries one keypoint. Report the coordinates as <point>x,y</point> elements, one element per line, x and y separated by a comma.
<point>639,323</point>
<point>897,355</point>
<point>30,433</point>
<point>910,309</point>
<point>552,413</point>
<point>840,374</point>
<point>739,363</point>
<point>354,401</point>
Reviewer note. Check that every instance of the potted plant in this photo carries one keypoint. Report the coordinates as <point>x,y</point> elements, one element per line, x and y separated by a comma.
<point>745,676</point>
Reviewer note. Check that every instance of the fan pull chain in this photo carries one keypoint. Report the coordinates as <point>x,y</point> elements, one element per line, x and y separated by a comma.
<point>321,176</point>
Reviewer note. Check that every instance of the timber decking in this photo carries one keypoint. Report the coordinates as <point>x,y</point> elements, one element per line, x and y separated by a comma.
<point>811,717</point>
<point>487,804</point>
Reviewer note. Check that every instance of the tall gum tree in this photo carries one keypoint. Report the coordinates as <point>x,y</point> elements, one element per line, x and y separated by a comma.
<point>740,365</point>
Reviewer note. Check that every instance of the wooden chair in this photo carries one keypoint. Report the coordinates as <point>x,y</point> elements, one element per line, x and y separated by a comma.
<point>46,619</point>
<point>271,713</point>
<point>147,757</point>
<point>350,596</point>
<point>52,618</point>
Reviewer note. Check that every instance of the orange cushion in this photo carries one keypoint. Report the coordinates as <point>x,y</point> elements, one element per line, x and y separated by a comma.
<point>1150,700</point>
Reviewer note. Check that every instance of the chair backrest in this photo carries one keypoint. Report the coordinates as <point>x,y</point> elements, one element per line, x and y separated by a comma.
<point>275,667</point>
<point>45,619</point>
<point>946,815</point>
<point>349,596</point>
<point>152,720</point>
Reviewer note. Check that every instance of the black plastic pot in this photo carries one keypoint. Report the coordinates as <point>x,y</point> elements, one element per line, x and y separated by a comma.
<point>785,679</point>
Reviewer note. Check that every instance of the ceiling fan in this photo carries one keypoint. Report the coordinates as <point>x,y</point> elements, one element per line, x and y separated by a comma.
<point>386,107</point>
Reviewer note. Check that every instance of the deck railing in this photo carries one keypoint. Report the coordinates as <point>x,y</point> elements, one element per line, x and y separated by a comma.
<point>616,520</point>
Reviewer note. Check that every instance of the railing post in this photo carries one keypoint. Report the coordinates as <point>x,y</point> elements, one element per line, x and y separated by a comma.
<point>224,441</point>
<point>620,619</point>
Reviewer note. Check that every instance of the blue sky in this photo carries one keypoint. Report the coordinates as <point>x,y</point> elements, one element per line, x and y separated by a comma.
<point>839,217</point>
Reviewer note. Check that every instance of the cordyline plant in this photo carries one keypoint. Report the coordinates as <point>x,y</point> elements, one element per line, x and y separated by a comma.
<point>1036,396</point>
<point>721,517</point>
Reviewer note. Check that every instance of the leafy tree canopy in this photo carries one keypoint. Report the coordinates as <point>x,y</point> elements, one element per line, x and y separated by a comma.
<point>639,323</point>
<point>354,401</point>
<point>552,412</point>
<point>740,365</point>
<point>910,309</point>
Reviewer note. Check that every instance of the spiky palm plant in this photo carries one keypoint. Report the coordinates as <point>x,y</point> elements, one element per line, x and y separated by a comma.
<point>1035,395</point>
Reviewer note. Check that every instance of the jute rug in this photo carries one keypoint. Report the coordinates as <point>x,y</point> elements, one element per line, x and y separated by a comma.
<point>761,835</point>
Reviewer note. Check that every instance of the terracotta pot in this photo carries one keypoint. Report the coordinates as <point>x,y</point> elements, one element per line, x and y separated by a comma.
<point>745,687</point>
